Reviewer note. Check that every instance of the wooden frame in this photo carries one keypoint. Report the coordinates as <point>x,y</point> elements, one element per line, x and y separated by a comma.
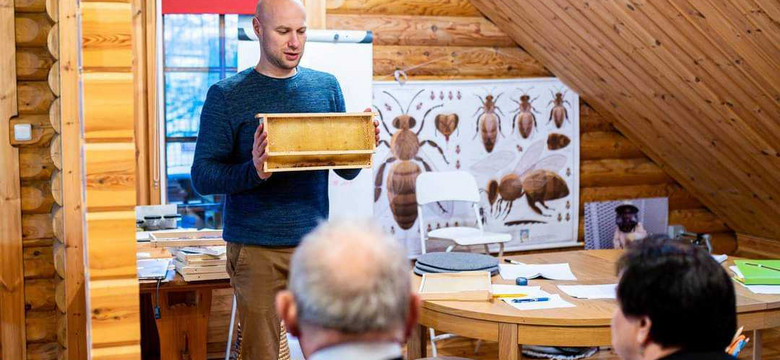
<point>461,286</point>
<point>12,312</point>
<point>344,141</point>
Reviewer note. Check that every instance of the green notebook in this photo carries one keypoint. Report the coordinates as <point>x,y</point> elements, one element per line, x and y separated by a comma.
<point>769,274</point>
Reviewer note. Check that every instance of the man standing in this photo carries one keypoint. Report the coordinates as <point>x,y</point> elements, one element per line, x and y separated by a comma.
<point>265,216</point>
<point>350,294</point>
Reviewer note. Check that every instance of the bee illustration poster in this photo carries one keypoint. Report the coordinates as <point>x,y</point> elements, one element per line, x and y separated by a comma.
<point>519,138</point>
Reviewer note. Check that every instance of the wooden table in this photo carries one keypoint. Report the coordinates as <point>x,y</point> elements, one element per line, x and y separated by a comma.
<point>184,316</point>
<point>587,324</point>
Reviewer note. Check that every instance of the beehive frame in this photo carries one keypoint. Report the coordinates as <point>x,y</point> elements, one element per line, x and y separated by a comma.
<point>318,141</point>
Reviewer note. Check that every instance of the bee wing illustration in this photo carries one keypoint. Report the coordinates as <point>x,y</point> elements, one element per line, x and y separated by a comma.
<point>528,160</point>
<point>493,162</point>
<point>552,163</point>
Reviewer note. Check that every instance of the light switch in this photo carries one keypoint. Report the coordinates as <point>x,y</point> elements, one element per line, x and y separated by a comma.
<point>22,132</point>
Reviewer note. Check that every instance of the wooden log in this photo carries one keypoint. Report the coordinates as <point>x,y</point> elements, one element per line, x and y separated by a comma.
<point>62,329</point>
<point>54,115</point>
<point>56,187</point>
<point>35,163</point>
<point>57,224</point>
<point>54,79</point>
<point>41,326</point>
<point>34,6</point>
<point>106,35</point>
<point>607,145</point>
<point>424,30</point>
<point>59,258</point>
<point>46,351</point>
<point>55,151</point>
<point>698,220</point>
<point>108,109</point>
<point>679,198</point>
<point>53,10</point>
<point>32,29</point>
<point>33,63</point>
<point>39,295</point>
<point>591,120</point>
<point>36,226</point>
<point>724,243</point>
<point>36,197</point>
<point>42,132</point>
<point>619,172</point>
<point>35,97</point>
<point>406,7</point>
<point>114,310</point>
<point>53,41</point>
<point>457,61</point>
<point>38,262</point>
<point>59,295</point>
<point>102,228</point>
<point>110,175</point>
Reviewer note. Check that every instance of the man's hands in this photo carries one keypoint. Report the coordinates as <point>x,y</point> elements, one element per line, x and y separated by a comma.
<point>376,127</point>
<point>258,151</point>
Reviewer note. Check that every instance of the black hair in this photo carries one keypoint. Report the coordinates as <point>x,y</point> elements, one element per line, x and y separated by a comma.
<point>687,295</point>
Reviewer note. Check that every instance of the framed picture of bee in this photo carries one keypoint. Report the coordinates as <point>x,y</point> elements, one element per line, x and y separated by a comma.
<point>518,137</point>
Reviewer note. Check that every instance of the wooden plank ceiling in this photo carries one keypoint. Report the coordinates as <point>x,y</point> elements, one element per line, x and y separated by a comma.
<point>696,84</point>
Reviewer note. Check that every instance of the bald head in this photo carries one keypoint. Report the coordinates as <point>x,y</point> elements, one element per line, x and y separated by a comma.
<point>266,8</point>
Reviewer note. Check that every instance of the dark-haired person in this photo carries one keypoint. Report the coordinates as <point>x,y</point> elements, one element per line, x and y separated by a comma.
<point>674,303</point>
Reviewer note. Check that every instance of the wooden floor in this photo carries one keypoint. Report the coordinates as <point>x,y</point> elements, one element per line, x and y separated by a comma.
<point>462,347</point>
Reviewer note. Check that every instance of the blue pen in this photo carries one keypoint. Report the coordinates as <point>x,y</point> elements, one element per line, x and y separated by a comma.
<point>529,300</point>
<point>739,348</point>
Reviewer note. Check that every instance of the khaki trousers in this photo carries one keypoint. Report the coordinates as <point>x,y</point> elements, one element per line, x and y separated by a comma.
<point>257,273</point>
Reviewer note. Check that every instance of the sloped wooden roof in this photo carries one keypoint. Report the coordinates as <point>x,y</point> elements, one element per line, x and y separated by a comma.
<point>696,84</point>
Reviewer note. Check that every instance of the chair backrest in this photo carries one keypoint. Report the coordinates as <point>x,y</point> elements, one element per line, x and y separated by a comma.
<point>446,186</point>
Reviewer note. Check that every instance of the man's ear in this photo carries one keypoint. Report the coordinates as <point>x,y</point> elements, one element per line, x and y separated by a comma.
<point>643,333</point>
<point>257,28</point>
<point>288,312</point>
<point>413,316</point>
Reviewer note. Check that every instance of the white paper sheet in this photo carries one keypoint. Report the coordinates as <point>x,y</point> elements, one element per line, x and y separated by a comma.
<point>606,291</point>
<point>547,271</point>
<point>153,268</point>
<point>720,258</point>
<point>756,289</point>
<point>555,302</point>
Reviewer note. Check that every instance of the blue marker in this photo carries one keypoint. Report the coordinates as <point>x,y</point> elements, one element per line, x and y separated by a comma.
<point>529,300</point>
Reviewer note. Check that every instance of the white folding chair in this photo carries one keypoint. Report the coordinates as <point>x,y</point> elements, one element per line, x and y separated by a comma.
<point>432,187</point>
<point>442,186</point>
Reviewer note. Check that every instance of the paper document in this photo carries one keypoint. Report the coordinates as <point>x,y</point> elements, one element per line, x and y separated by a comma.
<point>208,250</point>
<point>153,268</point>
<point>756,289</point>
<point>554,302</point>
<point>547,271</point>
<point>606,291</point>
<point>720,258</point>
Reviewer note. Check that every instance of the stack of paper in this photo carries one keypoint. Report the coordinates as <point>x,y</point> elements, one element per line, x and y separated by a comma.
<point>547,271</point>
<point>552,301</point>
<point>606,291</point>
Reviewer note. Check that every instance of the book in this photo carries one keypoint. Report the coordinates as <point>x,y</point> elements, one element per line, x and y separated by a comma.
<point>758,272</point>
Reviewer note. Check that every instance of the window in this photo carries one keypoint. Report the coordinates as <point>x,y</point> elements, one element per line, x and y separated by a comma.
<point>198,50</point>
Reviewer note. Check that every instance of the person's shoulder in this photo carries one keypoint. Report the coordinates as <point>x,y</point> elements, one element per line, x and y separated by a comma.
<point>233,83</point>
<point>318,76</point>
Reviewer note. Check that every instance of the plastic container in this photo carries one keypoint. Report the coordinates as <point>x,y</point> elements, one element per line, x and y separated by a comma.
<point>171,221</point>
<point>153,222</point>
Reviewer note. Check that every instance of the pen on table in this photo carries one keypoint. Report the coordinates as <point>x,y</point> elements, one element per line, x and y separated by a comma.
<point>513,262</point>
<point>762,266</point>
<point>530,300</point>
<point>509,295</point>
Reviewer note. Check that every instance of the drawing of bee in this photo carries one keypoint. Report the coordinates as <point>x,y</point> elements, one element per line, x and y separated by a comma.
<point>560,217</point>
<point>433,96</point>
<point>536,179</point>
<point>488,122</point>
<point>446,124</point>
<point>458,96</point>
<point>450,95</point>
<point>557,141</point>
<point>525,118</point>
<point>568,217</point>
<point>558,113</point>
<point>404,147</point>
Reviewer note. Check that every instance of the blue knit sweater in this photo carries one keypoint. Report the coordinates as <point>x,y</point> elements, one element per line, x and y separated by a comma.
<point>280,210</point>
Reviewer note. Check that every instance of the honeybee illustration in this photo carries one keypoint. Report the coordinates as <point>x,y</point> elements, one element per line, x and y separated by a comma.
<point>488,122</point>
<point>558,113</point>
<point>525,118</point>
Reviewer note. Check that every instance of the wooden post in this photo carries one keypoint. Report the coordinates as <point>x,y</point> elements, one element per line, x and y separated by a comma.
<point>315,13</point>
<point>12,329</point>
<point>74,302</point>
<point>416,347</point>
<point>508,349</point>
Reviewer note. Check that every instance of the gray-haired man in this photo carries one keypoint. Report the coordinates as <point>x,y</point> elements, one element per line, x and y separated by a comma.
<point>349,294</point>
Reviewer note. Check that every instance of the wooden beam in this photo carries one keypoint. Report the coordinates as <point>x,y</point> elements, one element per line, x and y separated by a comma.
<point>36,226</point>
<point>151,137</point>
<point>315,13</point>
<point>406,7</point>
<point>424,30</point>
<point>32,29</point>
<point>39,294</point>
<point>106,35</point>
<point>141,98</point>
<point>12,334</point>
<point>72,218</point>
<point>35,97</point>
<point>35,163</point>
<point>33,63</point>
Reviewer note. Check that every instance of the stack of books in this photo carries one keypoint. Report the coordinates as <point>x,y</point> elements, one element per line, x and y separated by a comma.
<point>201,263</point>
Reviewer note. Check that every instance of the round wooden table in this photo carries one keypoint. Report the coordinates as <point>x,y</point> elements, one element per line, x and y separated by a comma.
<point>587,324</point>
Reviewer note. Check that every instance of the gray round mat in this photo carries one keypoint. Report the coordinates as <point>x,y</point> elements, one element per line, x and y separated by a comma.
<point>431,269</point>
<point>457,261</point>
